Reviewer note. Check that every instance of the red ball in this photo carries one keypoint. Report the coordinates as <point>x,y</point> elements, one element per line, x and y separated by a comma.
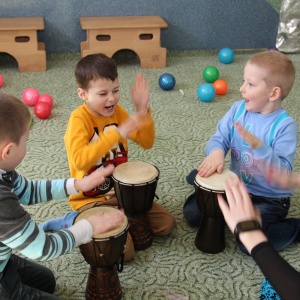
<point>220,86</point>
<point>30,96</point>
<point>42,110</point>
<point>1,80</point>
<point>46,98</point>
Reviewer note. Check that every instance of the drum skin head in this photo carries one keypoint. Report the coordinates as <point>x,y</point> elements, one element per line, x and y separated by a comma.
<point>216,181</point>
<point>135,172</point>
<point>95,210</point>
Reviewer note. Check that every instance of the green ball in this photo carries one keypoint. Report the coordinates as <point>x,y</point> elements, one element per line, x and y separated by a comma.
<point>210,74</point>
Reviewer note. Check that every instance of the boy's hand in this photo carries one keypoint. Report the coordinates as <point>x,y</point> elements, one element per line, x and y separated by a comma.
<point>128,126</point>
<point>248,137</point>
<point>140,94</point>
<point>215,161</point>
<point>106,221</point>
<point>97,177</point>
<point>283,178</point>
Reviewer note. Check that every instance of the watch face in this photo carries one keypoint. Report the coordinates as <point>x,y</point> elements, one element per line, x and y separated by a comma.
<point>248,225</point>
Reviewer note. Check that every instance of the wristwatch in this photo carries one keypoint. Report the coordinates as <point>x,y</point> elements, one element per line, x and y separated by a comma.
<point>245,226</point>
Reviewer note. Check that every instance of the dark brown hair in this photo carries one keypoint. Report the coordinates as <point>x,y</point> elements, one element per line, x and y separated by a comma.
<point>94,66</point>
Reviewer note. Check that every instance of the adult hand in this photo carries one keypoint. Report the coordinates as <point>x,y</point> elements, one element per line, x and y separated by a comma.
<point>239,209</point>
<point>239,206</point>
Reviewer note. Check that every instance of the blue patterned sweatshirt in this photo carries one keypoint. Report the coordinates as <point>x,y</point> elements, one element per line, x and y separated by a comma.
<point>279,133</point>
<point>17,230</point>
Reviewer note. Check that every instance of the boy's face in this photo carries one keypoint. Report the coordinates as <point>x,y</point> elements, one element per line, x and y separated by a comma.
<point>102,96</point>
<point>16,153</point>
<point>255,91</point>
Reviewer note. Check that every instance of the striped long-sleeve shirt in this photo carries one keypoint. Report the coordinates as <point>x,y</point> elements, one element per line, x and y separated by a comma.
<point>17,230</point>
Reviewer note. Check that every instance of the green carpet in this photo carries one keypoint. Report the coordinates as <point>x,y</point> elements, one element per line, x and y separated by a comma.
<point>172,268</point>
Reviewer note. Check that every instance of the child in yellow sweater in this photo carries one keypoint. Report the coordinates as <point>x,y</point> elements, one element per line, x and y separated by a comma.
<point>97,135</point>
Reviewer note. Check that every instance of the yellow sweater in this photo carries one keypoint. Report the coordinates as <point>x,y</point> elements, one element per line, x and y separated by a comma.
<point>92,140</point>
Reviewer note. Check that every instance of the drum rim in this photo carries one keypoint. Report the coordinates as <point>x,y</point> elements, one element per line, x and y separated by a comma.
<point>106,238</point>
<point>229,173</point>
<point>134,184</point>
<point>209,190</point>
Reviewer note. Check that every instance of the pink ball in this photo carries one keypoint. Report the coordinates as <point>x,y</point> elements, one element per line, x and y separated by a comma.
<point>1,80</point>
<point>42,110</point>
<point>46,98</point>
<point>30,96</point>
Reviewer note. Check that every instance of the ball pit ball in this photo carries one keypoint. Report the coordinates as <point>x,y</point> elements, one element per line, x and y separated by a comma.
<point>42,110</point>
<point>220,86</point>
<point>46,98</point>
<point>1,80</point>
<point>206,92</point>
<point>226,55</point>
<point>30,96</point>
<point>166,81</point>
<point>210,74</point>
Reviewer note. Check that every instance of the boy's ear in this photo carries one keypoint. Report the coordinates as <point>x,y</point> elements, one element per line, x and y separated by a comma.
<point>5,151</point>
<point>275,94</point>
<point>81,93</point>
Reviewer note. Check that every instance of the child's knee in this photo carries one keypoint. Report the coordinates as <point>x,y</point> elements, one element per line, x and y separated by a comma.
<point>171,225</point>
<point>166,226</point>
<point>129,251</point>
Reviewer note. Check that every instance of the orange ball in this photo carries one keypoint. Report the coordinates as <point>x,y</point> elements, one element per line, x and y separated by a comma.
<point>220,86</point>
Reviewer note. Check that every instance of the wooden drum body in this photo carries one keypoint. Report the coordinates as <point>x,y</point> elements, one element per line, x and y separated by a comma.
<point>211,232</point>
<point>105,256</point>
<point>135,186</point>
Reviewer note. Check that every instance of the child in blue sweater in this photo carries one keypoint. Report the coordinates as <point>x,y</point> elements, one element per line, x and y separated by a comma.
<point>268,79</point>
<point>21,278</point>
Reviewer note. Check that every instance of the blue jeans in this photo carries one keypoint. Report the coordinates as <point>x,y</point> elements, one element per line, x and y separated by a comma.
<point>23,279</point>
<point>281,231</point>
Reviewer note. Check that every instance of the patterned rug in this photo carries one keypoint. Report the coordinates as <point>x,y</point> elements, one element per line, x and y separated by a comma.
<point>172,268</point>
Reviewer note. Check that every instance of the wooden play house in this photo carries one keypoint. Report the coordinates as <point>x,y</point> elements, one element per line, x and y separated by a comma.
<point>140,34</point>
<point>18,37</point>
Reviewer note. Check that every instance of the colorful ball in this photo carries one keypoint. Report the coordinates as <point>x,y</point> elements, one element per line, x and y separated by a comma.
<point>46,98</point>
<point>206,92</point>
<point>226,55</point>
<point>30,96</point>
<point>1,80</point>
<point>166,81</point>
<point>210,74</point>
<point>220,86</point>
<point>42,110</point>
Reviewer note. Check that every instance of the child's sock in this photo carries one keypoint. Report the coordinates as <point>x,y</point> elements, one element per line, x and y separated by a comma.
<point>57,224</point>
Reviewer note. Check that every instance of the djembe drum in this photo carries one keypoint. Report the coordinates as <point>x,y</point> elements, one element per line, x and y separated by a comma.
<point>105,256</point>
<point>135,186</point>
<point>211,232</point>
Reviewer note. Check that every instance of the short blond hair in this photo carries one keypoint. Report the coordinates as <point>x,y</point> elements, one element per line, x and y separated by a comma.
<point>279,68</point>
<point>14,118</point>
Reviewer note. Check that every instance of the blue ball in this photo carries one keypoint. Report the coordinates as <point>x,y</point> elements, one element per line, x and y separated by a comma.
<point>226,55</point>
<point>206,92</point>
<point>167,81</point>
